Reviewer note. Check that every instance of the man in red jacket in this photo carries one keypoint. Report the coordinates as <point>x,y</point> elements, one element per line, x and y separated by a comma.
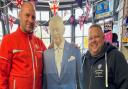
<point>21,54</point>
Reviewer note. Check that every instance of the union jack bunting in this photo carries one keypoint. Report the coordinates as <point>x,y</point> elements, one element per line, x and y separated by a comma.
<point>54,6</point>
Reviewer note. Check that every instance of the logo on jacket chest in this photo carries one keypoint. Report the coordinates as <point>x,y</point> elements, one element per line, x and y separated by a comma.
<point>36,46</point>
<point>99,71</point>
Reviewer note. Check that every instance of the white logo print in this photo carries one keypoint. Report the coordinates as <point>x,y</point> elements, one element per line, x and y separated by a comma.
<point>99,66</point>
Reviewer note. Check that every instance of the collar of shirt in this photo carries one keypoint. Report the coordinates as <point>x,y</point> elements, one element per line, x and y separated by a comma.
<point>61,46</point>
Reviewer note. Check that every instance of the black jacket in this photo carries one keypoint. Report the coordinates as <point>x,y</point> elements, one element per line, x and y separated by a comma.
<point>109,70</point>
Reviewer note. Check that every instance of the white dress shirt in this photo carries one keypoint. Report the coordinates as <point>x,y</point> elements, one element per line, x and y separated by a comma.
<point>58,55</point>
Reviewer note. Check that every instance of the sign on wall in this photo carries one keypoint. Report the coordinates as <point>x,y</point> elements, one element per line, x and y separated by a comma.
<point>108,31</point>
<point>103,9</point>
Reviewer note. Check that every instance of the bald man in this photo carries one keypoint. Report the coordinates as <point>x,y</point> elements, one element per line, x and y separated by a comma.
<point>104,67</point>
<point>62,63</point>
<point>21,54</point>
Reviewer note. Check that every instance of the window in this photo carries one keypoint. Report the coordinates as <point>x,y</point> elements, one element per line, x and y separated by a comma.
<point>42,33</point>
<point>65,14</point>
<point>67,33</point>
<point>78,12</point>
<point>38,15</point>
<point>80,35</point>
<point>44,15</point>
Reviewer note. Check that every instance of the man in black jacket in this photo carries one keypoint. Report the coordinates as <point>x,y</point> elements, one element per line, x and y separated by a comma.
<point>104,67</point>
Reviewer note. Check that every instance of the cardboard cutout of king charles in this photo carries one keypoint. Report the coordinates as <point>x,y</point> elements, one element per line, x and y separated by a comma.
<point>62,63</point>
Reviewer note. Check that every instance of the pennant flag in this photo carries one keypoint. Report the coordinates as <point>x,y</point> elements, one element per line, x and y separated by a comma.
<point>79,2</point>
<point>11,21</point>
<point>72,19</point>
<point>45,29</point>
<point>19,3</point>
<point>81,21</point>
<point>88,8</point>
<point>54,6</point>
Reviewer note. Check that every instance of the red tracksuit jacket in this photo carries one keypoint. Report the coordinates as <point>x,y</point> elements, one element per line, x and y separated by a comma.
<point>21,61</point>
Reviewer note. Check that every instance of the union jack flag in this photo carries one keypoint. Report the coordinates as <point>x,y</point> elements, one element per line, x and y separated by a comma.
<point>54,6</point>
<point>19,3</point>
<point>11,21</point>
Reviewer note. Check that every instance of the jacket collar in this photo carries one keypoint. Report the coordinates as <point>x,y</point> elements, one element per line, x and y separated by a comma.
<point>19,30</point>
<point>61,46</point>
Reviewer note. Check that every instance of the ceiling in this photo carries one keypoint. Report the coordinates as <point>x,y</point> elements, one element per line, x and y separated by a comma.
<point>63,4</point>
<point>44,4</point>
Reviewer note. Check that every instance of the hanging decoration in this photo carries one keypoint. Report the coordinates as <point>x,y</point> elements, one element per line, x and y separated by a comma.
<point>72,20</point>
<point>11,21</point>
<point>88,9</point>
<point>19,3</point>
<point>45,28</point>
<point>81,21</point>
<point>6,5</point>
<point>54,6</point>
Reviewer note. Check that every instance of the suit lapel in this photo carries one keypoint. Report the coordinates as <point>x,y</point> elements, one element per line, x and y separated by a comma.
<point>64,59</point>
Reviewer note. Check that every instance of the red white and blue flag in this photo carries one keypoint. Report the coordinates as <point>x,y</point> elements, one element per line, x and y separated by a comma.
<point>54,6</point>
<point>11,21</point>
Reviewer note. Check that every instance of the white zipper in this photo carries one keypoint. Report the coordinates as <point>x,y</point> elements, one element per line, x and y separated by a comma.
<point>36,62</point>
<point>14,84</point>
<point>106,71</point>
<point>34,73</point>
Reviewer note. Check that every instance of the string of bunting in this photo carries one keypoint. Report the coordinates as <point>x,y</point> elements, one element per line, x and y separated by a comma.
<point>11,20</point>
<point>54,6</point>
<point>18,3</point>
<point>6,5</point>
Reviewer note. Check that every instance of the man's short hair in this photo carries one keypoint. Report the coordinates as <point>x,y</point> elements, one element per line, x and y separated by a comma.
<point>95,25</point>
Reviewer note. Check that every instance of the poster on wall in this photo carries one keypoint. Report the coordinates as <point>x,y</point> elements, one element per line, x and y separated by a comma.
<point>86,42</point>
<point>125,38</point>
<point>103,9</point>
<point>108,31</point>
